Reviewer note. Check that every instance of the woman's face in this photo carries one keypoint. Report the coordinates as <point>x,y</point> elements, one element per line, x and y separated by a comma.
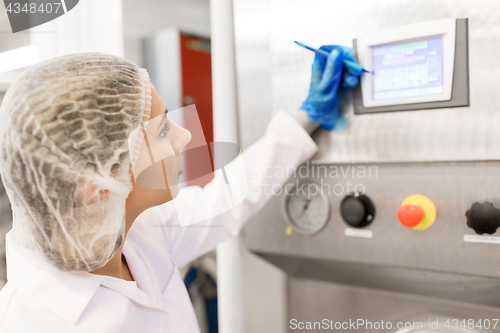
<point>165,139</point>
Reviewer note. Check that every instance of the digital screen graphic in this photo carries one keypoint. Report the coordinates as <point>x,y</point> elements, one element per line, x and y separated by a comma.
<point>407,69</point>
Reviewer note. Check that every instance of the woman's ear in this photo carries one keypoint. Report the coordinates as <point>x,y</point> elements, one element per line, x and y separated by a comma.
<point>95,197</point>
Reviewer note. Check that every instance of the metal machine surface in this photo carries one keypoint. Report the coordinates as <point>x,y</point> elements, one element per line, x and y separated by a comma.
<point>373,267</point>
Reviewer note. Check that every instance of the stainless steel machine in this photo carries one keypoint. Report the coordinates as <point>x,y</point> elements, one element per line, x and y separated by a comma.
<point>395,218</point>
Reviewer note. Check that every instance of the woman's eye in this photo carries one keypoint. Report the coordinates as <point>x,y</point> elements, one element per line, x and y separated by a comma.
<point>164,130</point>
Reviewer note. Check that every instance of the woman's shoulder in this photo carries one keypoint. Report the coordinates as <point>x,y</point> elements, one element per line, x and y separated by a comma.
<point>103,314</point>
<point>18,313</point>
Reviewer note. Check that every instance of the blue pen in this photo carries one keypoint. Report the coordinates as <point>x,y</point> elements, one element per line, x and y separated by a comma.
<point>325,54</point>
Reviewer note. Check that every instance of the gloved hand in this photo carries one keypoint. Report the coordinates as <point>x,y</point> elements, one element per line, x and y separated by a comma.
<point>327,75</point>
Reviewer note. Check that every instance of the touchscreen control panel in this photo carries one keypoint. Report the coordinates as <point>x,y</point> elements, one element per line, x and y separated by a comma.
<point>407,69</point>
<point>414,67</point>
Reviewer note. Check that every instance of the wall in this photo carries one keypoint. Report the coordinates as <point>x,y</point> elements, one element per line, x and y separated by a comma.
<point>5,224</point>
<point>8,40</point>
<point>143,18</point>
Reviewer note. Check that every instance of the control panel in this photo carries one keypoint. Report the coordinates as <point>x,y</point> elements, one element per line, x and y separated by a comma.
<point>414,67</point>
<point>450,209</point>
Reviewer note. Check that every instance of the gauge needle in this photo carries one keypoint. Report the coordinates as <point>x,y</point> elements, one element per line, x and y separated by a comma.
<point>304,209</point>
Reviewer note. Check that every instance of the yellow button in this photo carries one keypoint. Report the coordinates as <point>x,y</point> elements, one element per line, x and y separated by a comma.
<point>427,207</point>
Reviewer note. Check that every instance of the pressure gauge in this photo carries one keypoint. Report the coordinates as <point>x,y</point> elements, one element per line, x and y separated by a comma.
<point>307,208</point>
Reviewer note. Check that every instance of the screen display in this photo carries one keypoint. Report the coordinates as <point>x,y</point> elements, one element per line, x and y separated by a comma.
<point>408,69</point>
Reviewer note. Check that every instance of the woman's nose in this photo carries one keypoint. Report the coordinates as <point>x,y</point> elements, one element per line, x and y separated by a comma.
<point>182,138</point>
<point>186,137</point>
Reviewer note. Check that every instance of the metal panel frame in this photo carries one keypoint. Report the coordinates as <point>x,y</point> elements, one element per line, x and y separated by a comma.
<point>460,95</point>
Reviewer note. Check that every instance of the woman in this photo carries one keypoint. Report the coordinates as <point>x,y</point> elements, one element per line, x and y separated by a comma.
<point>90,250</point>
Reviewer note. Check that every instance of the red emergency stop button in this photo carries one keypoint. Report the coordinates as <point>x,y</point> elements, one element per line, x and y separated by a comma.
<point>410,215</point>
<point>417,212</point>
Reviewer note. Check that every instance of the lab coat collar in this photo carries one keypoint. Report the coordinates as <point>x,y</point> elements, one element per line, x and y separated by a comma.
<point>143,274</point>
<point>66,294</point>
<point>145,295</point>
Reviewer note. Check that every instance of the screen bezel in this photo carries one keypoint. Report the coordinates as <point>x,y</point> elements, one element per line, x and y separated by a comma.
<point>445,29</point>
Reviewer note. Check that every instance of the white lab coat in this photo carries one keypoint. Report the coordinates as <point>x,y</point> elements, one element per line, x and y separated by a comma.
<point>39,298</point>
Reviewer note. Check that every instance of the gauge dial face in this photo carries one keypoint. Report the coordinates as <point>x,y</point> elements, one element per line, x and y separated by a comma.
<point>307,211</point>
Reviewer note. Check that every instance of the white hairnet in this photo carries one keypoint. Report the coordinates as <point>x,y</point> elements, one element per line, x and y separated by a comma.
<point>64,126</point>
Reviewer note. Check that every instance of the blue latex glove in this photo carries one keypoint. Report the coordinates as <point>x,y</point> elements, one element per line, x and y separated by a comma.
<point>328,74</point>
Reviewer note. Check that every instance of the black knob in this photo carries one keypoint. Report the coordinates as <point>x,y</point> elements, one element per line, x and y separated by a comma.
<point>357,210</point>
<point>484,218</point>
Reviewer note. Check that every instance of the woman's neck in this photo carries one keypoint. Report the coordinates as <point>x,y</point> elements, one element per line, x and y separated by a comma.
<point>117,266</point>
